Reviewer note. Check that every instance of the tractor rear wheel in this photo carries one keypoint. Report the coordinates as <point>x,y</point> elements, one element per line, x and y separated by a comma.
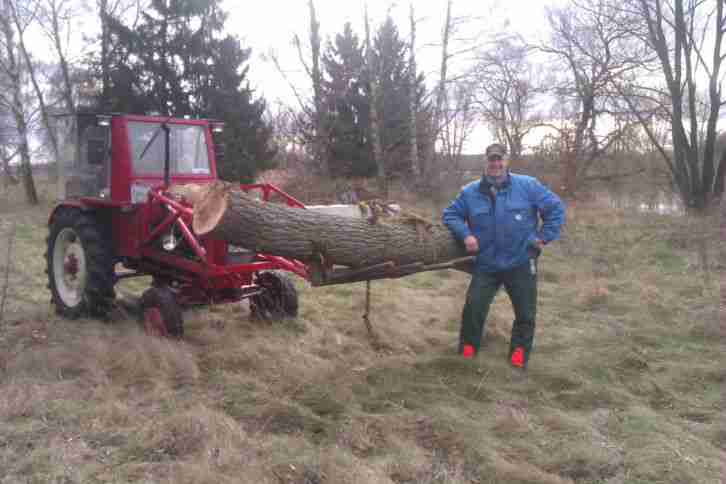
<point>80,265</point>
<point>160,313</point>
<point>278,299</point>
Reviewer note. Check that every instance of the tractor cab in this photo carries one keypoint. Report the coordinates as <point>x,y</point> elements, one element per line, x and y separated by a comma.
<point>119,215</point>
<point>120,157</point>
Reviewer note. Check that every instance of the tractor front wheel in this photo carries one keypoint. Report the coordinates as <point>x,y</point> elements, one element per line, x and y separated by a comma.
<point>278,299</point>
<point>160,313</point>
<point>80,265</point>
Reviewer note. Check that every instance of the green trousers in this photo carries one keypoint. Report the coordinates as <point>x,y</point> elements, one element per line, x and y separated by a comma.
<point>521,286</point>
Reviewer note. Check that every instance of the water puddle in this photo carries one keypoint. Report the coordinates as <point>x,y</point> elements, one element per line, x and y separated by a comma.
<point>642,200</point>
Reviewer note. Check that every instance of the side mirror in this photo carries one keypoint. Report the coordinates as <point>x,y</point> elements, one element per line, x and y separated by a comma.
<point>219,149</point>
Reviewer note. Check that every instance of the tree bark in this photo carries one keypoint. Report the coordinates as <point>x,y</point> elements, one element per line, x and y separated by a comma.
<point>225,212</point>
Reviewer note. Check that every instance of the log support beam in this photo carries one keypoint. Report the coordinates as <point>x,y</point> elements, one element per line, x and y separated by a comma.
<point>321,276</point>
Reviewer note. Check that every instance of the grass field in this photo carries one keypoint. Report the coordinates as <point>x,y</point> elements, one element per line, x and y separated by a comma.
<point>625,384</point>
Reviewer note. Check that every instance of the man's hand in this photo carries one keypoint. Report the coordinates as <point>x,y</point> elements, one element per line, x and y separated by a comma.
<point>535,248</point>
<point>472,244</point>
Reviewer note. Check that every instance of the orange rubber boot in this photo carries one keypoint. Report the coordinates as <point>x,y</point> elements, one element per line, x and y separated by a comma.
<point>468,352</point>
<point>518,357</point>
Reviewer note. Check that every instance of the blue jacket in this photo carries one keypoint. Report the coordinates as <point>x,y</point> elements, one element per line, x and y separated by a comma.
<point>505,221</point>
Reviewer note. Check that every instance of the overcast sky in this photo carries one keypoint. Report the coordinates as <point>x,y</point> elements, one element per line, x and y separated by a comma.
<point>271,25</point>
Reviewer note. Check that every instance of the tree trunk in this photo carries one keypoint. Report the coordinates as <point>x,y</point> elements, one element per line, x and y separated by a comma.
<point>321,136</point>
<point>8,178</point>
<point>225,212</point>
<point>105,44</point>
<point>412,102</point>
<point>13,73</point>
<point>431,166</point>
<point>718,187</point>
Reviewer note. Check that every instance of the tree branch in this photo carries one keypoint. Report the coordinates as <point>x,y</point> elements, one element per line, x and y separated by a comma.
<point>298,97</point>
<point>296,43</point>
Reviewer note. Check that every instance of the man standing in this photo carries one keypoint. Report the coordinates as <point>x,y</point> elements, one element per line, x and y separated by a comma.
<point>497,219</point>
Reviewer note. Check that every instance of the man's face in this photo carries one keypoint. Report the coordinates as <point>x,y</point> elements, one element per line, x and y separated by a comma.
<point>496,166</point>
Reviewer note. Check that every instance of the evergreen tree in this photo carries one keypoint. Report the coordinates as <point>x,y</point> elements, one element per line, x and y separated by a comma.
<point>177,61</point>
<point>347,107</point>
<point>391,67</point>
<point>347,101</point>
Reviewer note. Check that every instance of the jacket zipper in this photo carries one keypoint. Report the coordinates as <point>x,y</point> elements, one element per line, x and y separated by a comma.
<point>493,195</point>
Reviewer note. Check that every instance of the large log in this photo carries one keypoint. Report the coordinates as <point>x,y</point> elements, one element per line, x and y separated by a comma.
<point>225,212</point>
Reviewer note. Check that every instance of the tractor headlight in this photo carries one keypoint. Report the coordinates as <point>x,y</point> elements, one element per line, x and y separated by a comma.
<point>170,241</point>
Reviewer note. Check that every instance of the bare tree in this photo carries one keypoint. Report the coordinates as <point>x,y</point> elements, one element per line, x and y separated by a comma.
<point>319,135</point>
<point>507,86</point>
<point>459,119</point>
<point>54,18</point>
<point>591,42</point>
<point>21,20</point>
<point>12,97</point>
<point>440,91</point>
<point>687,37</point>
<point>461,38</point>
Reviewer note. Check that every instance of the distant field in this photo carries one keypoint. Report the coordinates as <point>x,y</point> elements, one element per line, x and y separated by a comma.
<point>625,385</point>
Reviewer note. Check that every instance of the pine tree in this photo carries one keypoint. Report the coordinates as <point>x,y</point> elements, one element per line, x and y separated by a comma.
<point>346,106</point>
<point>391,65</point>
<point>348,96</point>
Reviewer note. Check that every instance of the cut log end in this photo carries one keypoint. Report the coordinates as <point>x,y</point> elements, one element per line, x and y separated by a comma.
<point>209,207</point>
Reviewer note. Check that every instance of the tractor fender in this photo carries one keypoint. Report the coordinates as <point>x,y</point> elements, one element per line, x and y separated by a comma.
<point>83,204</point>
<point>63,205</point>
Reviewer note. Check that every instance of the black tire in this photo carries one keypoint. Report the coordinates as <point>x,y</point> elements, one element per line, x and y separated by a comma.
<point>80,265</point>
<point>279,297</point>
<point>160,313</point>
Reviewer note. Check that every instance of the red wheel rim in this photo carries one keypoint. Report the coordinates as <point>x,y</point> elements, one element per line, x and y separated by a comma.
<point>154,323</point>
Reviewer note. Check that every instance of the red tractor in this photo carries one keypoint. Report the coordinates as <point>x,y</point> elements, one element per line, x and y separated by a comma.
<point>118,218</point>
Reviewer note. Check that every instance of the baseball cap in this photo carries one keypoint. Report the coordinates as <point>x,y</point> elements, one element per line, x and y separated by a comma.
<point>496,149</point>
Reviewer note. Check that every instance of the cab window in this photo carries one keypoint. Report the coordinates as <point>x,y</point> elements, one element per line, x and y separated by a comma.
<point>188,153</point>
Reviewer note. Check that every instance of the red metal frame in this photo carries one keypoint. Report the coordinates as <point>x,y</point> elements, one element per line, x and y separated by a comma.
<point>138,227</point>
<point>204,280</point>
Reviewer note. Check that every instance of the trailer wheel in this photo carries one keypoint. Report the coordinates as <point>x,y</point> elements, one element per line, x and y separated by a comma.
<point>278,299</point>
<point>160,313</point>
<point>80,265</point>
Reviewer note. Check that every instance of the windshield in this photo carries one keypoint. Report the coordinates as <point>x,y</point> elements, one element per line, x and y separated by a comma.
<point>188,153</point>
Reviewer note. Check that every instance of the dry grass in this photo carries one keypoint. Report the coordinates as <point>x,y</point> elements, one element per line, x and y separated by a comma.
<point>625,384</point>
